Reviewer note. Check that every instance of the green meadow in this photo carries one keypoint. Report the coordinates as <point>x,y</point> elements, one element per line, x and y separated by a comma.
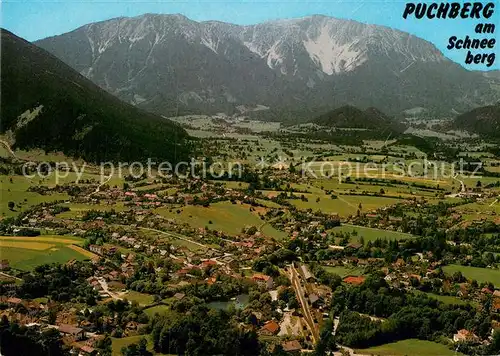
<point>344,205</point>
<point>371,234</point>
<point>140,298</point>
<point>158,309</point>
<point>446,299</point>
<point>118,343</point>
<point>224,216</point>
<point>410,347</point>
<point>344,271</point>
<point>477,273</point>
<point>15,189</point>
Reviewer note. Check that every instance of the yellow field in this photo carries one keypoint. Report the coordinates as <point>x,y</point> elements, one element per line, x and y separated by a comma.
<point>59,240</point>
<point>83,252</point>
<point>25,253</point>
<point>26,245</point>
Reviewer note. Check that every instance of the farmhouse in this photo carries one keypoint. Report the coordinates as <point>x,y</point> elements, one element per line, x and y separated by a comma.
<point>270,328</point>
<point>315,299</point>
<point>307,275</point>
<point>354,280</point>
<point>354,246</point>
<point>211,280</point>
<point>73,331</point>
<point>496,305</point>
<point>263,280</point>
<point>83,350</point>
<point>179,296</point>
<point>464,335</point>
<point>100,250</point>
<point>208,263</point>
<point>292,346</point>
<point>14,301</point>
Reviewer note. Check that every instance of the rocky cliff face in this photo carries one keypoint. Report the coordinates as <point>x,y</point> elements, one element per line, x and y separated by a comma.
<point>167,63</point>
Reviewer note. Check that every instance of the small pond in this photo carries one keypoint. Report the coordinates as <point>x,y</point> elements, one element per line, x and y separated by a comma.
<point>239,302</point>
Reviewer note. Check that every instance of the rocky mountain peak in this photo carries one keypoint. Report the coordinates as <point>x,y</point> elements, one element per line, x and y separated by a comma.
<point>156,58</point>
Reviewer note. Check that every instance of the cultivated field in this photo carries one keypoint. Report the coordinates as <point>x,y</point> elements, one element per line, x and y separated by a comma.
<point>25,253</point>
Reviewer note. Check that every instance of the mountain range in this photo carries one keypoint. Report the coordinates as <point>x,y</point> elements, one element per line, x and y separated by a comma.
<point>46,104</point>
<point>169,64</point>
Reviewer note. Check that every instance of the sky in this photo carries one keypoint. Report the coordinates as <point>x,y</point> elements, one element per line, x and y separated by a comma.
<point>36,19</point>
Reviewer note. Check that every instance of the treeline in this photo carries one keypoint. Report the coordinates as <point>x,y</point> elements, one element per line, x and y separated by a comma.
<point>61,283</point>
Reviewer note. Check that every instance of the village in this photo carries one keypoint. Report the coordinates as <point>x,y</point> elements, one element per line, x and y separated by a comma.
<point>145,251</point>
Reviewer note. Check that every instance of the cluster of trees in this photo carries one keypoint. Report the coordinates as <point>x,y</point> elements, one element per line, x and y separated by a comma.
<point>92,214</point>
<point>394,182</point>
<point>268,264</point>
<point>474,245</point>
<point>336,137</point>
<point>20,340</point>
<point>408,315</point>
<point>202,331</point>
<point>228,288</point>
<point>60,283</point>
<point>410,322</point>
<point>147,280</point>
<point>139,349</point>
<point>328,279</point>
<point>288,297</point>
<point>315,248</point>
<point>95,236</point>
<point>113,316</point>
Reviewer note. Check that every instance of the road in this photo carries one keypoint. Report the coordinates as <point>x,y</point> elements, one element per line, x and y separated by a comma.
<point>299,291</point>
<point>116,296</point>
<point>9,276</point>
<point>99,186</point>
<point>105,288</point>
<point>7,147</point>
<point>462,189</point>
